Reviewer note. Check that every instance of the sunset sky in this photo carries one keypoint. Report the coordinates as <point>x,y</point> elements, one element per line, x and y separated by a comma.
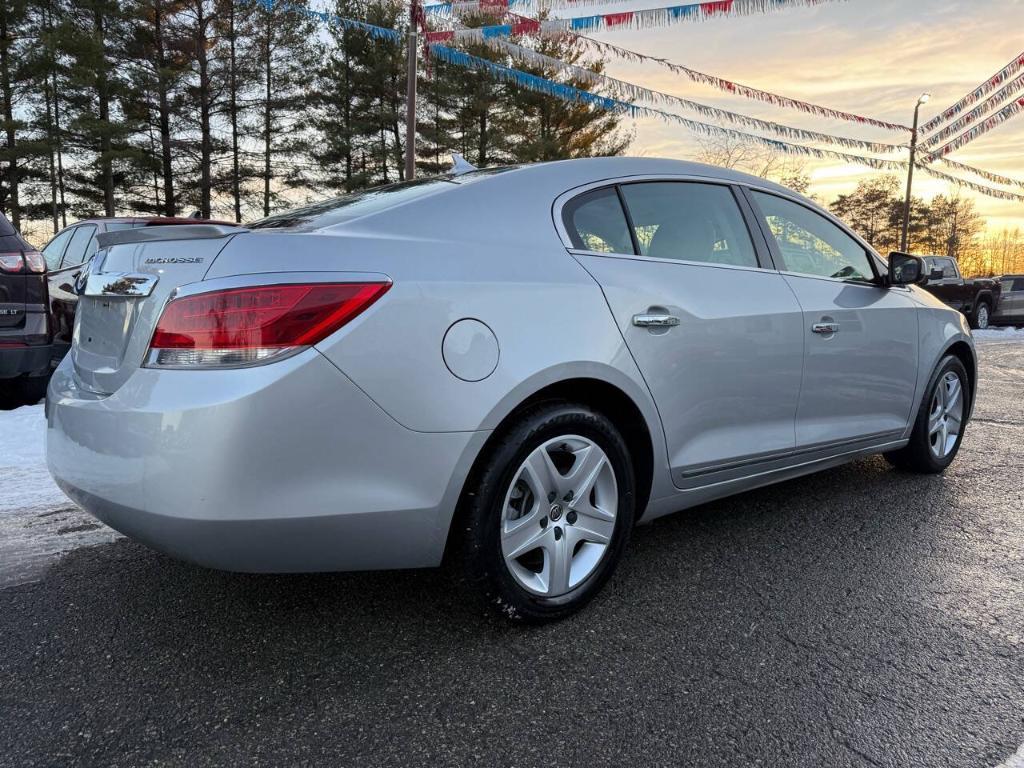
<point>872,57</point>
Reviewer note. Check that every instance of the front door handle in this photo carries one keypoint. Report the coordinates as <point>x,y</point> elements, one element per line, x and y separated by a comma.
<point>825,328</point>
<point>655,321</point>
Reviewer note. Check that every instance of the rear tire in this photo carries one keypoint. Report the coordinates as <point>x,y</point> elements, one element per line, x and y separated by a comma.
<point>568,541</point>
<point>932,446</point>
<point>980,318</point>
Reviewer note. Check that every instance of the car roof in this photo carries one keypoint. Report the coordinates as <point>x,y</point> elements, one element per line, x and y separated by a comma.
<point>489,204</point>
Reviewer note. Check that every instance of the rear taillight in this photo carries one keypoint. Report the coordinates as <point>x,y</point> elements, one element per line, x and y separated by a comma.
<point>246,326</point>
<point>14,263</point>
<point>35,262</point>
<point>11,262</point>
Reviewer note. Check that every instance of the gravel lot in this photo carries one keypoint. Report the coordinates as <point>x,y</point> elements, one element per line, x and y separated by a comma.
<point>855,617</point>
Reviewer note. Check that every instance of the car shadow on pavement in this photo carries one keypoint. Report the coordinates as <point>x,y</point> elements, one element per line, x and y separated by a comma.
<point>809,622</point>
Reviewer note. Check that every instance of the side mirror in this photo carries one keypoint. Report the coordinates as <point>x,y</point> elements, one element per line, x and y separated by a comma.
<point>936,274</point>
<point>905,269</point>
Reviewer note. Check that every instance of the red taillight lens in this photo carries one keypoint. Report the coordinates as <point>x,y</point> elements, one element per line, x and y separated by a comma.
<point>35,262</point>
<point>242,326</point>
<point>11,262</point>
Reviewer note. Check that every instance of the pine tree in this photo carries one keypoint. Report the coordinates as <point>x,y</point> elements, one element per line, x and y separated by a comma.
<point>285,45</point>
<point>47,76</point>
<point>235,23</point>
<point>334,120</point>
<point>13,153</point>
<point>91,33</point>
<point>553,129</point>
<point>156,50</point>
<point>200,101</point>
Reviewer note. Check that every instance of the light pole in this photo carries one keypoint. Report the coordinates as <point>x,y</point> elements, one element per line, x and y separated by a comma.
<point>922,99</point>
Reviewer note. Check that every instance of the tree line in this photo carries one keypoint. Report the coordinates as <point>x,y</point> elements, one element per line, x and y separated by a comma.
<point>946,225</point>
<point>230,110</point>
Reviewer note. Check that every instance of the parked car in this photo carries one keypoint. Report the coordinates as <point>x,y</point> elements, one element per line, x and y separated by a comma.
<point>510,366</point>
<point>24,334</point>
<point>978,299</point>
<point>66,254</point>
<point>1011,302</point>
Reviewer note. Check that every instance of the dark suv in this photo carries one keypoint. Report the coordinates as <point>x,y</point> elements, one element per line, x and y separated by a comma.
<point>24,334</point>
<point>66,254</point>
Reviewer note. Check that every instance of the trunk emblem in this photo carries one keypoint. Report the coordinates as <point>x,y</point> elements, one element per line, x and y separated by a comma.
<point>175,260</point>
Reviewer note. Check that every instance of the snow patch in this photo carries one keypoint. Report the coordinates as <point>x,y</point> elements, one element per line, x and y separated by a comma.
<point>38,523</point>
<point>999,334</point>
<point>25,483</point>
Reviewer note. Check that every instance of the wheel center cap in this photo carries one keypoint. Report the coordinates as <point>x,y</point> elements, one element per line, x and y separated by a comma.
<point>555,512</point>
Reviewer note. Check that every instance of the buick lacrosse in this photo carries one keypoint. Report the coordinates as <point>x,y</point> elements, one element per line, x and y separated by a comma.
<point>510,366</point>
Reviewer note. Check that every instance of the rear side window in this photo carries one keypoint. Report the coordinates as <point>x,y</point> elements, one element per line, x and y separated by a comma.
<point>595,222</point>
<point>55,249</point>
<point>689,221</point>
<point>75,254</point>
<point>810,244</point>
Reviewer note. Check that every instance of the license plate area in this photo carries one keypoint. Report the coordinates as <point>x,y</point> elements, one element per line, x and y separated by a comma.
<point>103,329</point>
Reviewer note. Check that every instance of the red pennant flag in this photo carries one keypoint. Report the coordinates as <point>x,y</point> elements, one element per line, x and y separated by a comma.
<point>441,37</point>
<point>525,26</point>
<point>618,19</point>
<point>717,6</point>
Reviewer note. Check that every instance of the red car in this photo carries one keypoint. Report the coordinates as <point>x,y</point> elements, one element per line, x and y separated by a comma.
<point>65,255</point>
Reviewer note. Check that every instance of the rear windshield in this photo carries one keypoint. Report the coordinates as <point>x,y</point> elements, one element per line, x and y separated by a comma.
<point>367,201</point>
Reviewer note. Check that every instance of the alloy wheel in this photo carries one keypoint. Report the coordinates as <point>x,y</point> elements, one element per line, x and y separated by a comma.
<point>982,317</point>
<point>558,515</point>
<point>946,415</point>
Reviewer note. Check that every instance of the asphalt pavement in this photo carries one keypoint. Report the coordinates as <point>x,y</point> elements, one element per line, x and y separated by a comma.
<point>855,617</point>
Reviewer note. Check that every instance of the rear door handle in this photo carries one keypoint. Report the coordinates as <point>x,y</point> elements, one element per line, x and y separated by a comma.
<point>825,328</point>
<point>655,321</point>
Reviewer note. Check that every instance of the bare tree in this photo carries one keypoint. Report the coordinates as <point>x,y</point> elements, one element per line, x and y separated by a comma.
<point>727,151</point>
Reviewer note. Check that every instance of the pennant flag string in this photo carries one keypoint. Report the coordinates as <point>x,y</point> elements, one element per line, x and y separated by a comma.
<point>1012,89</point>
<point>977,94</point>
<point>634,92</point>
<point>640,19</point>
<point>988,175</point>
<point>1011,110</point>
<point>694,11</point>
<point>979,188</point>
<point>522,25</point>
<point>571,93</point>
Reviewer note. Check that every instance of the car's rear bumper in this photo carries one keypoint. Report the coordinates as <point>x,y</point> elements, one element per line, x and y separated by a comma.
<point>18,361</point>
<point>283,467</point>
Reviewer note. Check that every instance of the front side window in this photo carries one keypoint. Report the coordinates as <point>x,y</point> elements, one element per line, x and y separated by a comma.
<point>947,267</point>
<point>55,249</point>
<point>689,221</point>
<point>810,244</point>
<point>596,222</point>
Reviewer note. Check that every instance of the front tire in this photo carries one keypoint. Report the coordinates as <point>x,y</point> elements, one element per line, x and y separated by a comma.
<point>549,513</point>
<point>941,421</point>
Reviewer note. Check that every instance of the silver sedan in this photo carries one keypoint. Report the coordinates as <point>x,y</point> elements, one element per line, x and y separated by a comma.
<point>511,366</point>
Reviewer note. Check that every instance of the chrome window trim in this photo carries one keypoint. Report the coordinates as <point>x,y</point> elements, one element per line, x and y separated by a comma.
<point>569,194</point>
<point>732,186</point>
<point>656,260</point>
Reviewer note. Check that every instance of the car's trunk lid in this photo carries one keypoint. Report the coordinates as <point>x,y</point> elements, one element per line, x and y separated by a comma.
<point>124,291</point>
